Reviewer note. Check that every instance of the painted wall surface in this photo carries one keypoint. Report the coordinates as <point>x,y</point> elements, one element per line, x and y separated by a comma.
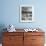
<point>10,13</point>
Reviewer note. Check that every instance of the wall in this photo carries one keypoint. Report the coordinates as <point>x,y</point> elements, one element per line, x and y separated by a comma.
<point>10,13</point>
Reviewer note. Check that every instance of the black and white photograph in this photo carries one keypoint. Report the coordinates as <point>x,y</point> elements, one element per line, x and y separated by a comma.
<point>26,13</point>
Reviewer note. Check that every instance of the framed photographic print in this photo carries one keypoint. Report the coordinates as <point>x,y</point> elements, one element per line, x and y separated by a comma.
<point>26,13</point>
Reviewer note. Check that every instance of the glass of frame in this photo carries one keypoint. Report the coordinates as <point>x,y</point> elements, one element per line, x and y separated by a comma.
<point>26,13</point>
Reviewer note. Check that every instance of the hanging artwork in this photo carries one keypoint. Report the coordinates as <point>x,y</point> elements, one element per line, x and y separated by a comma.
<point>26,13</point>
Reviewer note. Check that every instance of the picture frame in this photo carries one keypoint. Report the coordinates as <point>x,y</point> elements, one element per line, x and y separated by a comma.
<point>26,13</point>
